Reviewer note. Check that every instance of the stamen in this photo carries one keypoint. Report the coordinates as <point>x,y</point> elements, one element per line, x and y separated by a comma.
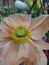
<point>21,34</point>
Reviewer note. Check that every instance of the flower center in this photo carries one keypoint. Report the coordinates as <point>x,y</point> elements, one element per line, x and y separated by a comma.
<point>21,34</point>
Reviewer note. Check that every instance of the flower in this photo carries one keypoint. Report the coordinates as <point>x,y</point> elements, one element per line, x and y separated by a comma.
<point>21,40</point>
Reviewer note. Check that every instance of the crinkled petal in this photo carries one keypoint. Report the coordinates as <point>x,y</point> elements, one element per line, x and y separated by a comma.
<point>18,19</point>
<point>42,44</point>
<point>40,56</point>
<point>39,26</point>
<point>4,36</point>
<point>5,32</point>
<point>26,54</point>
<point>31,54</point>
<point>14,54</point>
<point>42,60</point>
<point>5,28</point>
<point>9,53</point>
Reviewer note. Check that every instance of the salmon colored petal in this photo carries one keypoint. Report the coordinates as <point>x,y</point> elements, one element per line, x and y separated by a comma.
<point>5,33</point>
<point>32,54</point>
<point>42,60</point>
<point>40,56</point>
<point>7,21</point>
<point>39,26</point>
<point>42,44</point>
<point>9,53</point>
<point>21,19</point>
<point>5,28</point>
<point>23,54</point>
<point>17,19</point>
<point>26,54</point>
<point>13,54</point>
<point>4,37</point>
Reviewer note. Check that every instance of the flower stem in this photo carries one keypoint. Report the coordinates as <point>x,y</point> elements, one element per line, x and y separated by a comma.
<point>32,6</point>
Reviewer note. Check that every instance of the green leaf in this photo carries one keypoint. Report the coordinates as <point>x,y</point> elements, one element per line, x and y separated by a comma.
<point>29,2</point>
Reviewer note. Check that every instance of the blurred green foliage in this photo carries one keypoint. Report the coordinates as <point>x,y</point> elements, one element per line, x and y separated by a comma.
<point>36,10</point>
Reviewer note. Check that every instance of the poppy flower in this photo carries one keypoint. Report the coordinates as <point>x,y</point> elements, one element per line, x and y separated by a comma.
<point>21,40</point>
